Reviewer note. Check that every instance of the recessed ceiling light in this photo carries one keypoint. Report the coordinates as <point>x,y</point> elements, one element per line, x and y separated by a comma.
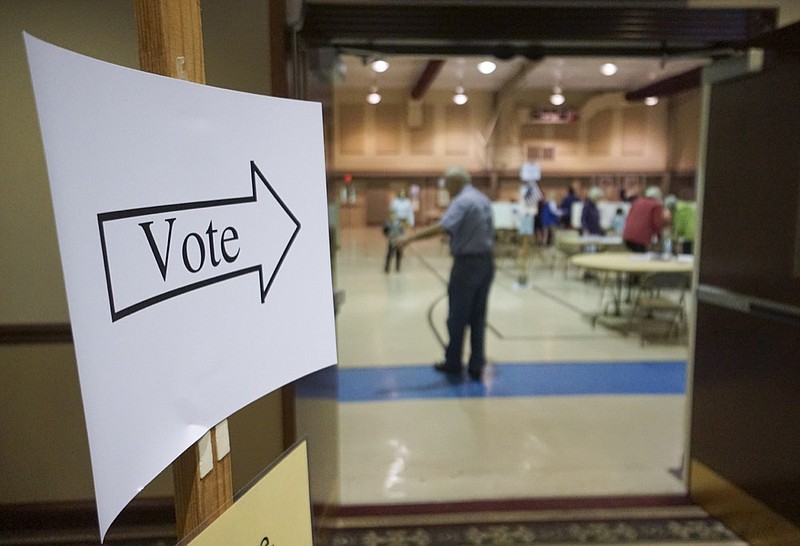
<point>608,69</point>
<point>557,98</point>
<point>379,65</point>
<point>460,96</point>
<point>486,67</point>
<point>374,97</point>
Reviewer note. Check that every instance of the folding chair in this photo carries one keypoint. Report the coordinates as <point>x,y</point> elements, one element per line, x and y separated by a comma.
<point>564,247</point>
<point>661,300</point>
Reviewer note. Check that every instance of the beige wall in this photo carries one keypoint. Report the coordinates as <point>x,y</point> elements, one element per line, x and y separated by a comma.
<point>612,135</point>
<point>614,142</point>
<point>382,138</point>
<point>396,136</point>
<point>44,455</point>
<point>684,131</point>
<point>32,288</point>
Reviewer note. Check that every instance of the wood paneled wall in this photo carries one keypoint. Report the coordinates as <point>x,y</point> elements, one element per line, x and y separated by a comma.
<point>610,136</point>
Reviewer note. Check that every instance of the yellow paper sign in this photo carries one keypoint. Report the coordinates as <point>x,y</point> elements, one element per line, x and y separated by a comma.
<point>275,511</point>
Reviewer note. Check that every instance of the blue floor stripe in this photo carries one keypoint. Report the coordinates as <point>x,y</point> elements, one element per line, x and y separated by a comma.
<point>505,380</point>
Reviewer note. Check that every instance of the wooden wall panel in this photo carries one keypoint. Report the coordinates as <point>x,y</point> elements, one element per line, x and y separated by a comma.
<point>378,200</point>
<point>352,129</point>
<point>746,420</point>
<point>634,131</point>
<point>388,128</point>
<point>423,138</point>
<point>600,134</point>
<point>457,129</point>
<point>566,139</point>
<point>436,134</point>
<point>745,416</point>
<point>751,210</point>
<point>532,131</point>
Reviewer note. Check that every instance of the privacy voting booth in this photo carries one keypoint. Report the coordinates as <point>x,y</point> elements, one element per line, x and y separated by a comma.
<point>192,222</point>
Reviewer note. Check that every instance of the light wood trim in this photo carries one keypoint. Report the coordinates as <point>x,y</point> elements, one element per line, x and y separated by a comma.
<point>199,501</point>
<point>169,30</point>
<point>171,44</point>
<point>744,515</point>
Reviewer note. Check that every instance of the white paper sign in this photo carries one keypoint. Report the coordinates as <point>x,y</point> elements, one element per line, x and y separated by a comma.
<point>192,225</point>
<point>530,172</point>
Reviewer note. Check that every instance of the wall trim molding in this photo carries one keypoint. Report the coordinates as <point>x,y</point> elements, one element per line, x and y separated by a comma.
<point>35,333</point>
<point>68,522</point>
<point>746,516</point>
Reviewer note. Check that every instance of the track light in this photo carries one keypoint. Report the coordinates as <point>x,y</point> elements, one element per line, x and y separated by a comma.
<point>557,98</point>
<point>460,96</point>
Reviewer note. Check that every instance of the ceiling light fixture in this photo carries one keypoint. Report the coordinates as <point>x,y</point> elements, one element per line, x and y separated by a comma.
<point>557,98</point>
<point>379,65</point>
<point>608,69</point>
<point>460,96</point>
<point>651,101</point>
<point>374,97</point>
<point>486,67</point>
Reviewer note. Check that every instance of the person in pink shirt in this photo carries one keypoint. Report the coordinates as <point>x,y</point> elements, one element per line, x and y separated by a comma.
<point>645,221</point>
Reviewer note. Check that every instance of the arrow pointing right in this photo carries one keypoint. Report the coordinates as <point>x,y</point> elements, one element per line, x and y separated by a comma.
<point>153,254</point>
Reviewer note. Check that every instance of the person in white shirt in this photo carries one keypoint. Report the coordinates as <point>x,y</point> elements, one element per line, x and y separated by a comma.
<point>402,208</point>
<point>529,196</point>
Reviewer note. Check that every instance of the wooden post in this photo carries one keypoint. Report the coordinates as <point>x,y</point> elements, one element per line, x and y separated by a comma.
<point>199,499</point>
<point>171,38</point>
<point>171,44</point>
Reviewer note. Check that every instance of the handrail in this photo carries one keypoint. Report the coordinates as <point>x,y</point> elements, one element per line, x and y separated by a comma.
<point>764,308</point>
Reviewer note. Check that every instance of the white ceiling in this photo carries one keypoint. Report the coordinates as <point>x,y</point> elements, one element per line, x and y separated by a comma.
<point>577,73</point>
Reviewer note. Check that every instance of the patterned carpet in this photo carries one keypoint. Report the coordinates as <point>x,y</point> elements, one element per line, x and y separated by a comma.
<point>650,526</point>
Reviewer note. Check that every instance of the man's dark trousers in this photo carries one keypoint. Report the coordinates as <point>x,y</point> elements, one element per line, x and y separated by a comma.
<point>468,293</point>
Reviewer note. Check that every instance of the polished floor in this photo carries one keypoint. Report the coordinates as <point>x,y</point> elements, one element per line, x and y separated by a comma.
<point>566,408</point>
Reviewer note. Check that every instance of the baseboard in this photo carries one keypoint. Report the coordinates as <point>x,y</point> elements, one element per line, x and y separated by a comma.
<point>507,505</point>
<point>749,518</point>
<point>76,522</point>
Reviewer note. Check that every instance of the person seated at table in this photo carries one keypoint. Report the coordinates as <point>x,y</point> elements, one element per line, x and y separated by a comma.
<point>683,221</point>
<point>590,216</point>
<point>645,221</point>
<point>566,204</point>
<point>548,218</point>
<point>618,221</point>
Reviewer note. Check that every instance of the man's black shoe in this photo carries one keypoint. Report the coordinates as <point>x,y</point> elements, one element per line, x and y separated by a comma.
<point>444,368</point>
<point>475,375</point>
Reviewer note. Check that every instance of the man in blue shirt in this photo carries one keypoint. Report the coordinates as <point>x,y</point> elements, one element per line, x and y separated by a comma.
<point>590,215</point>
<point>468,221</point>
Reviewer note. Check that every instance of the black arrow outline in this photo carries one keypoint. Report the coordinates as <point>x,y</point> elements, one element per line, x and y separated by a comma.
<point>144,211</point>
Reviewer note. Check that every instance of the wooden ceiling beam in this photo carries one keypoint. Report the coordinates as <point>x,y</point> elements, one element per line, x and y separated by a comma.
<point>427,77</point>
